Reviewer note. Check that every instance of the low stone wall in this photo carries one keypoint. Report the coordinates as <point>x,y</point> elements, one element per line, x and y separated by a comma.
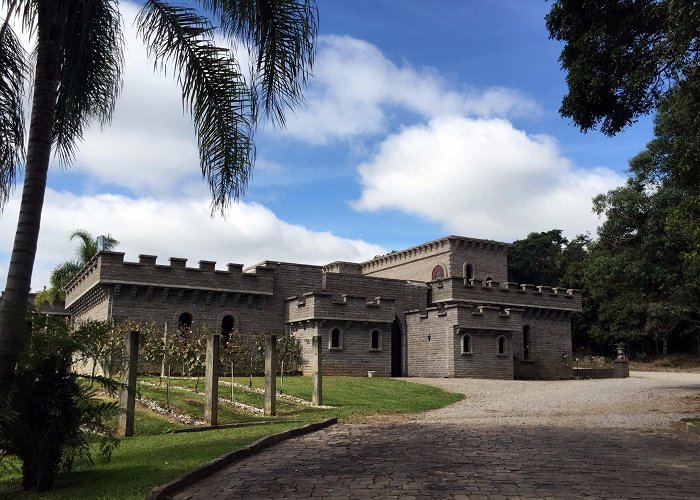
<point>620,369</point>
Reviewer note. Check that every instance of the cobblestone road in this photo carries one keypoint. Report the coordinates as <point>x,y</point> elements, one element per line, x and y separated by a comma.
<point>446,455</point>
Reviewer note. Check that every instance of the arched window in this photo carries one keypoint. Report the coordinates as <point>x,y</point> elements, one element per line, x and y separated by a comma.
<point>336,340</point>
<point>466,344</point>
<point>526,342</point>
<point>438,273</point>
<point>184,322</point>
<point>488,280</point>
<point>502,346</point>
<point>375,340</point>
<point>468,272</point>
<point>226,329</point>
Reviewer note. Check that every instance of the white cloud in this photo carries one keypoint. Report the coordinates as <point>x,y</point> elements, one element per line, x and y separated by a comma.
<point>482,178</point>
<point>170,228</point>
<point>355,87</point>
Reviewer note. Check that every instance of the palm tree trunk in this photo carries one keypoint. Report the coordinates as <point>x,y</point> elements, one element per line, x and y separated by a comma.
<point>14,328</point>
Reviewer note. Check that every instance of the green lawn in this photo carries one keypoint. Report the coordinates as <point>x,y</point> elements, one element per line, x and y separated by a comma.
<point>152,458</point>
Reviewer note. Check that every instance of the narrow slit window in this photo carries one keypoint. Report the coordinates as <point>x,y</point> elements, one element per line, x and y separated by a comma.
<point>466,344</point>
<point>501,345</point>
<point>375,340</point>
<point>335,338</point>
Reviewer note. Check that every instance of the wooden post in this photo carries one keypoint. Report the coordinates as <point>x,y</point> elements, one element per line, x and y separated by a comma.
<point>316,369</point>
<point>270,375</point>
<point>211,380</point>
<point>127,395</point>
<point>164,365</point>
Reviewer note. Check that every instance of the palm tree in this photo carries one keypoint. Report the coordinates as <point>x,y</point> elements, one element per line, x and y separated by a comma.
<point>77,77</point>
<point>64,272</point>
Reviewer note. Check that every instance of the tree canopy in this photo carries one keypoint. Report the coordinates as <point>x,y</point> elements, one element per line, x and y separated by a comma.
<point>623,57</point>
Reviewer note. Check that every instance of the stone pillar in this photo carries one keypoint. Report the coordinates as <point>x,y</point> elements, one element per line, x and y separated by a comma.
<point>621,368</point>
<point>270,375</point>
<point>316,369</point>
<point>211,380</point>
<point>127,395</point>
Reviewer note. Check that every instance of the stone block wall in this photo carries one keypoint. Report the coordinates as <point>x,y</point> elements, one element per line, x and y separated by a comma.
<point>355,356</point>
<point>507,294</point>
<point>550,345</point>
<point>435,337</point>
<point>483,360</point>
<point>346,308</point>
<point>488,258</point>
<point>429,341</point>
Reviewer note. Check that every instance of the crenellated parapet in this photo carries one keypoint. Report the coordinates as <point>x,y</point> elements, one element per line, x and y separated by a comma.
<point>341,267</point>
<point>326,306</point>
<point>430,249</point>
<point>473,316</point>
<point>505,294</point>
<point>109,268</point>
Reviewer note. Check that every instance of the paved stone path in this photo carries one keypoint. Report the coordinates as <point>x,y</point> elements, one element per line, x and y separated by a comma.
<point>450,454</point>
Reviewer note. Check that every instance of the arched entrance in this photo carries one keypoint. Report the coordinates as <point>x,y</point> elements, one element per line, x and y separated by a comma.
<point>396,350</point>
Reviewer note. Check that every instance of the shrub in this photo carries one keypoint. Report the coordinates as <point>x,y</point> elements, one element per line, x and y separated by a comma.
<point>49,415</point>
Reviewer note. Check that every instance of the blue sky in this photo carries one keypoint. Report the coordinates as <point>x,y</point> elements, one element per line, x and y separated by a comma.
<point>422,119</point>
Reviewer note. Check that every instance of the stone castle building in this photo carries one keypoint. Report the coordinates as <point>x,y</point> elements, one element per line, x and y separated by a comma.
<point>440,309</point>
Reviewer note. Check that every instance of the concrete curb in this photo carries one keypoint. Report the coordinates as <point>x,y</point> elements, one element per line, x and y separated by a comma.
<point>191,477</point>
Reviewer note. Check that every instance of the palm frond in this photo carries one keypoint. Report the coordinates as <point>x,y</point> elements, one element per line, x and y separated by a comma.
<point>90,79</point>
<point>88,245</point>
<point>280,37</point>
<point>213,90</point>
<point>62,274</point>
<point>13,71</point>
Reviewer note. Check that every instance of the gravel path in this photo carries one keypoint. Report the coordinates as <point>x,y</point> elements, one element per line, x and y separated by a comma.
<point>644,400</point>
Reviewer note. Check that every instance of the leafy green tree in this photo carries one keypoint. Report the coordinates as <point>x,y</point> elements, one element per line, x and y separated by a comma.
<point>550,259</point>
<point>635,270</point>
<point>537,258</point>
<point>623,57</point>
<point>63,273</point>
<point>77,73</point>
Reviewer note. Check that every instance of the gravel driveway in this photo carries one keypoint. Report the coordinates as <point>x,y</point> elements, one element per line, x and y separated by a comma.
<point>644,400</point>
<point>506,439</point>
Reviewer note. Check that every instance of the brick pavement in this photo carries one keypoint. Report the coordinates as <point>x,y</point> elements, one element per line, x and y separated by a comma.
<point>431,460</point>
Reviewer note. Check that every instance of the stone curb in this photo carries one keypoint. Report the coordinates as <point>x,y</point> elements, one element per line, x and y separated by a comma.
<point>191,477</point>
<point>685,426</point>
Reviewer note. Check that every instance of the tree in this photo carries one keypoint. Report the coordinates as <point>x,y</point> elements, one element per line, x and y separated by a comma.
<point>63,273</point>
<point>550,259</point>
<point>623,57</point>
<point>647,295</point>
<point>536,259</point>
<point>77,77</point>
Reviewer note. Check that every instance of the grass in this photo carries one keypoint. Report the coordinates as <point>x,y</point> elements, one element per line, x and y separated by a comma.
<point>679,362</point>
<point>143,462</point>
<point>152,458</point>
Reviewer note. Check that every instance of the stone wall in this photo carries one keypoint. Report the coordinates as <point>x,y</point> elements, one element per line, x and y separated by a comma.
<point>488,258</point>
<point>550,345</point>
<point>355,356</point>
<point>506,294</point>
<point>483,360</point>
<point>435,341</point>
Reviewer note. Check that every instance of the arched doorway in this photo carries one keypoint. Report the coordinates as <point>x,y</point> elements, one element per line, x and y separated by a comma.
<point>396,350</point>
